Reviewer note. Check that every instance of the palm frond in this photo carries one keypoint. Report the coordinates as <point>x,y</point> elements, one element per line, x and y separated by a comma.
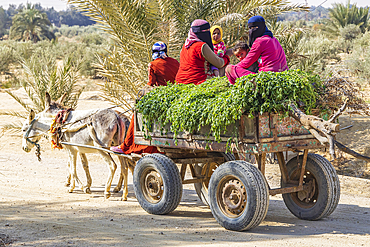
<point>16,114</point>
<point>19,100</point>
<point>12,128</point>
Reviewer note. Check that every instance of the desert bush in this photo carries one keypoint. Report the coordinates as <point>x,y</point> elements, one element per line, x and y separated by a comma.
<point>350,32</point>
<point>72,31</point>
<point>358,63</point>
<point>347,35</point>
<point>13,56</point>
<point>363,41</point>
<point>92,38</point>
<point>305,48</point>
<point>6,58</point>
<point>11,52</point>
<point>316,52</point>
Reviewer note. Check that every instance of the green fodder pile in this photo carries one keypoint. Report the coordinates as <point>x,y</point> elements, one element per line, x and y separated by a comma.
<point>218,104</point>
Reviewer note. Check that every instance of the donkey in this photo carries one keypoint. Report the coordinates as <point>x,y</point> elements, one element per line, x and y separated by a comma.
<point>97,127</point>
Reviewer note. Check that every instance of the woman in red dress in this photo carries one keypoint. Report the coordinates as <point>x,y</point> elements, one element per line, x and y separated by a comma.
<point>197,50</point>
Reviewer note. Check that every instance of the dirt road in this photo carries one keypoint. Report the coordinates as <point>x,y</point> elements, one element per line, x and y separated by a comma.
<point>36,210</point>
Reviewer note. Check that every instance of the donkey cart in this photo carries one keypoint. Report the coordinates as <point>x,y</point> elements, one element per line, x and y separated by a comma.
<point>236,190</point>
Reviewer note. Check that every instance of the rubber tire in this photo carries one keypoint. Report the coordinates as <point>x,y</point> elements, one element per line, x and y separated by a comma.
<point>257,195</point>
<point>327,182</point>
<point>172,185</point>
<point>202,192</point>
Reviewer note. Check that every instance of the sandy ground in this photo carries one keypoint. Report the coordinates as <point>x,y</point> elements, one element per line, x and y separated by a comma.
<point>36,210</point>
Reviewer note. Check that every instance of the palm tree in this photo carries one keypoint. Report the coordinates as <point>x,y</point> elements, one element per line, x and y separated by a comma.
<point>342,15</point>
<point>134,25</point>
<point>30,24</point>
<point>43,74</point>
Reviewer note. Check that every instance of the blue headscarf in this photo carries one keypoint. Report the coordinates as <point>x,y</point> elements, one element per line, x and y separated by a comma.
<point>159,50</point>
<point>257,21</point>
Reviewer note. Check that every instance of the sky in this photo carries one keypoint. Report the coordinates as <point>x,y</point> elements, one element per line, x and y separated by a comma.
<point>328,3</point>
<point>57,4</point>
<point>62,4</point>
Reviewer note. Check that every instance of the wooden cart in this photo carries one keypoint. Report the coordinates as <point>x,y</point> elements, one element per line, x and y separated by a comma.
<point>235,189</point>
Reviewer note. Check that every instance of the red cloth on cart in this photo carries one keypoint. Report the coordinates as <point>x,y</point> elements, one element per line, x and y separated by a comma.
<point>129,146</point>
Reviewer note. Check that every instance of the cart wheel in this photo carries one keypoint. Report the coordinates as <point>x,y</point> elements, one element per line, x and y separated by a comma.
<point>157,184</point>
<point>238,195</point>
<point>322,197</point>
<point>202,187</point>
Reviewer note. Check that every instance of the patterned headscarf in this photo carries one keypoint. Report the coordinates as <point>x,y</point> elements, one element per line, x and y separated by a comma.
<point>197,33</point>
<point>213,28</point>
<point>159,50</point>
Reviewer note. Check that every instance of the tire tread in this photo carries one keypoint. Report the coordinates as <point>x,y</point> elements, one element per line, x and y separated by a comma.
<point>259,195</point>
<point>174,185</point>
<point>332,189</point>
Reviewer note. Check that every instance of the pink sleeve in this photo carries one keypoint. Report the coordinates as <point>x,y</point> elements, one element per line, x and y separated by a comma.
<point>252,56</point>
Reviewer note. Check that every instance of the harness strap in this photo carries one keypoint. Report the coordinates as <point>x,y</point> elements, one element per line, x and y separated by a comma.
<point>26,136</point>
<point>55,131</point>
<point>30,128</point>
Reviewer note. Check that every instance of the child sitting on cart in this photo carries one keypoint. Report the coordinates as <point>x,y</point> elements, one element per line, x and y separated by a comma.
<point>241,50</point>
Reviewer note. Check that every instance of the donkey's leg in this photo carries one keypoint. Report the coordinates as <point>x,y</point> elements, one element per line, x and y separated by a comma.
<point>131,165</point>
<point>85,165</point>
<point>121,176</point>
<point>68,182</point>
<point>112,169</point>
<point>72,169</point>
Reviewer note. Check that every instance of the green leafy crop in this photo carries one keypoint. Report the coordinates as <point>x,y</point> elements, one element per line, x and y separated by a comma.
<point>218,104</point>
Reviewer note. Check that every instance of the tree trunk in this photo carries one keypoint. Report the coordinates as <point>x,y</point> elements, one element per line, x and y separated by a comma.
<point>322,130</point>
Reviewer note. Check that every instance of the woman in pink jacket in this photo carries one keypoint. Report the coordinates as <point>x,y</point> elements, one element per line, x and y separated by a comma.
<point>265,49</point>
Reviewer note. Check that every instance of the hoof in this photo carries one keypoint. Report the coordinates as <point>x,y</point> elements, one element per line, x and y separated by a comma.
<point>87,190</point>
<point>106,195</point>
<point>70,190</point>
<point>67,184</point>
<point>116,190</point>
<point>124,199</point>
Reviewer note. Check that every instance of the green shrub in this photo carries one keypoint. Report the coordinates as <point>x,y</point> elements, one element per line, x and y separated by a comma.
<point>92,38</point>
<point>350,32</point>
<point>73,31</point>
<point>359,63</point>
<point>218,104</point>
<point>6,58</point>
<point>315,52</point>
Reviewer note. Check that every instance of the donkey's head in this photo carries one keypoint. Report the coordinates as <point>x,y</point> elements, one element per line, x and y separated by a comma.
<point>38,125</point>
<point>30,135</point>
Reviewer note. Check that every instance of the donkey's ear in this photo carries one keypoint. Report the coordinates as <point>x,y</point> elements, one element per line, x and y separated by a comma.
<point>61,99</point>
<point>31,116</point>
<point>47,100</point>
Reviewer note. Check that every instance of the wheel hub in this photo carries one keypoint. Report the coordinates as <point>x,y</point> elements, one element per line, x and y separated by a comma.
<point>234,196</point>
<point>307,194</point>
<point>153,184</point>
